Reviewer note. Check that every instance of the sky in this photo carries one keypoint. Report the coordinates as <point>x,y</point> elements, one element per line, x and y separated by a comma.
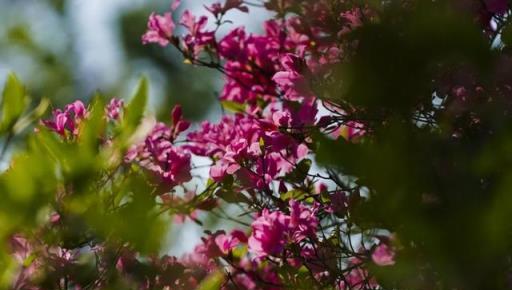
<point>100,57</point>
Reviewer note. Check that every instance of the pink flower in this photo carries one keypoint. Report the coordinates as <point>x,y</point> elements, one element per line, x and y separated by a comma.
<point>227,242</point>
<point>218,9</point>
<point>76,109</point>
<point>222,168</point>
<point>282,118</point>
<point>58,124</point>
<point>158,155</point>
<point>67,120</point>
<point>204,253</point>
<point>197,37</point>
<point>306,114</point>
<point>233,45</point>
<point>352,20</point>
<point>292,80</point>
<point>231,141</point>
<point>175,5</point>
<point>383,255</point>
<point>269,233</point>
<point>114,108</point>
<point>178,124</point>
<point>251,60</point>
<point>320,187</point>
<point>21,251</point>
<point>303,222</point>
<point>178,166</point>
<point>160,29</point>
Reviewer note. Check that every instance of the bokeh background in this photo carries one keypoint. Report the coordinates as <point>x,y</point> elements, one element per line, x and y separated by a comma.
<point>71,49</point>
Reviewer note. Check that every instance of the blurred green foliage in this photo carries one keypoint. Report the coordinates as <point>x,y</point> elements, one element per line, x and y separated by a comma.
<point>437,175</point>
<point>81,181</point>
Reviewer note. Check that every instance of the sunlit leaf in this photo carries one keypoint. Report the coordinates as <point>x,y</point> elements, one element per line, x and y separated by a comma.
<point>14,102</point>
<point>232,106</point>
<point>212,282</point>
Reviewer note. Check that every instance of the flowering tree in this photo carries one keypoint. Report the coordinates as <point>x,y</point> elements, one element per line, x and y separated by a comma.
<point>363,146</point>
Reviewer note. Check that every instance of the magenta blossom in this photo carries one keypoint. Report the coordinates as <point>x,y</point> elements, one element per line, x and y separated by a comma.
<point>160,29</point>
<point>197,37</point>
<point>159,155</point>
<point>383,255</point>
<point>114,109</point>
<point>227,242</point>
<point>67,120</point>
<point>292,79</point>
<point>251,59</point>
<point>178,125</point>
<point>303,222</point>
<point>217,9</point>
<point>269,233</point>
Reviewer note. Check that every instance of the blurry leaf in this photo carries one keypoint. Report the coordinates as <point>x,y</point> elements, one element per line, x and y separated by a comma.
<point>212,282</point>
<point>59,5</point>
<point>230,196</point>
<point>26,188</point>
<point>506,35</point>
<point>293,194</point>
<point>300,172</point>
<point>20,35</point>
<point>93,127</point>
<point>232,106</point>
<point>14,102</point>
<point>134,210</point>
<point>32,116</point>
<point>412,48</point>
<point>135,109</point>
<point>239,252</point>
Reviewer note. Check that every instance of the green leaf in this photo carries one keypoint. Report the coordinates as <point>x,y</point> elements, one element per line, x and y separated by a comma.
<point>293,194</point>
<point>135,109</point>
<point>231,196</point>
<point>239,252</point>
<point>506,35</point>
<point>234,107</point>
<point>94,126</point>
<point>14,102</point>
<point>300,172</point>
<point>212,282</point>
<point>32,116</point>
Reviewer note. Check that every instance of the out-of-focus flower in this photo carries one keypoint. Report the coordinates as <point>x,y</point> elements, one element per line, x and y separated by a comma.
<point>383,255</point>
<point>114,109</point>
<point>160,29</point>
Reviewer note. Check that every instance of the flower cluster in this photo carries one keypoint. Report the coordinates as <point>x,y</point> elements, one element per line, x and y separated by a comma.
<point>273,230</point>
<point>259,154</point>
<point>66,122</point>
<point>159,155</point>
<point>252,149</point>
<point>298,222</point>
